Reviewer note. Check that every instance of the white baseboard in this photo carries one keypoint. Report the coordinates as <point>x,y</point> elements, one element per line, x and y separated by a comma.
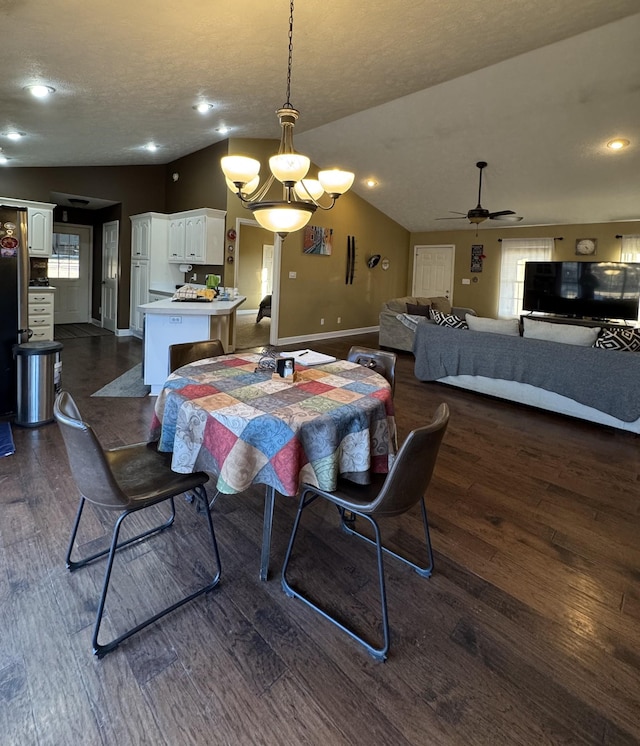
<point>327,335</point>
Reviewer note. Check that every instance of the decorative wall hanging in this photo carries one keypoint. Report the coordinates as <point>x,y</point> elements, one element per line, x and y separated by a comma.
<point>477,256</point>
<point>385,264</point>
<point>231,234</point>
<point>317,240</point>
<point>351,259</point>
<point>372,261</point>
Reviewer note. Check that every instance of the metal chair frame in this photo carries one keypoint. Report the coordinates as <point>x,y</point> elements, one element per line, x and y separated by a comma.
<point>192,484</point>
<point>382,503</point>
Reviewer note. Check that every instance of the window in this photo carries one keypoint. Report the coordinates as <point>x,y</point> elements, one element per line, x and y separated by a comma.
<point>65,258</point>
<point>516,252</point>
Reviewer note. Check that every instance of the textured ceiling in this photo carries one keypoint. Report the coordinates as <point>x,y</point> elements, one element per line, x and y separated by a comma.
<point>411,93</point>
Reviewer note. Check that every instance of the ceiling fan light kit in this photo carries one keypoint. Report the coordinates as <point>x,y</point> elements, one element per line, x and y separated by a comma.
<point>300,196</point>
<point>479,214</point>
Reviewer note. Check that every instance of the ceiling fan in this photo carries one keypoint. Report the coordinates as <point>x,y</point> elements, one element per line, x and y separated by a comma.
<point>479,214</point>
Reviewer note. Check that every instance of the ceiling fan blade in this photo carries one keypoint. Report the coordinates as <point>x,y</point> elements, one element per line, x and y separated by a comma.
<point>457,217</point>
<point>500,212</point>
<point>507,216</point>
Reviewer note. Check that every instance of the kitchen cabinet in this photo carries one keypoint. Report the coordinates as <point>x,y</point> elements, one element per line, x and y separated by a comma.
<point>197,237</point>
<point>39,224</point>
<point>41,314</point>
<point>140,274</point>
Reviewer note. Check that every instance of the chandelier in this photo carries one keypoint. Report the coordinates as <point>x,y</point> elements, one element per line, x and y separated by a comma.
<point>300,196</point>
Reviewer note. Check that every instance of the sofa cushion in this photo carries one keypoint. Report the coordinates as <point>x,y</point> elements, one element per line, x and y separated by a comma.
<point>418,309</point>
<point>439,303</point>
<point>510,327</point>
<point>625,340</point>
<point>584,336</point>
<point>447,319</point>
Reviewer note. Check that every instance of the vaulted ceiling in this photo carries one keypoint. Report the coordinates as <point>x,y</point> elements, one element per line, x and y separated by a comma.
<point>410,93</point>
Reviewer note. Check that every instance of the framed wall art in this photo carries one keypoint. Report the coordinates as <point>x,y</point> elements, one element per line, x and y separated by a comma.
<point>317,240</point>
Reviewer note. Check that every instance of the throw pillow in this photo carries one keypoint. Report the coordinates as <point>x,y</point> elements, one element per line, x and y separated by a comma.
<point>584,336</point>
<point>417,309</point>
<point>626,340</point>
<point>447,319</point>
<point>509,327</point>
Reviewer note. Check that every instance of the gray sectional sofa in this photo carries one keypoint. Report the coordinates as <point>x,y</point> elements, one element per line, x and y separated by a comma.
<point>397,327</point>
<point>594,384</point>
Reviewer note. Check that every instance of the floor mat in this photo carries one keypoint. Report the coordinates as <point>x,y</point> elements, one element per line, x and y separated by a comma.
<point>128,384</point>
<point>73,331</point>
<point>7,447</point>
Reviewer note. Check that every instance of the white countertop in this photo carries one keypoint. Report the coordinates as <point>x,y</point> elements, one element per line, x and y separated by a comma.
<point>188,308</point>
<point>41,289</point>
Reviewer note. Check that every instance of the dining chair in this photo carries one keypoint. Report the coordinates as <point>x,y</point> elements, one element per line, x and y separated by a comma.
<point>126,480</point>
<point>388,495</point>
<point>382,361</point>
<point>188,352</point>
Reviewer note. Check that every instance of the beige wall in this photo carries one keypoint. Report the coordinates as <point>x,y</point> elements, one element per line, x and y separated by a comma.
<point>319,290</point>
<point>249,271</point>
<point>483,295</point>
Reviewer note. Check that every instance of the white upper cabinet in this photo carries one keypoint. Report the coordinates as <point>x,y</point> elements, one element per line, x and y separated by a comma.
<point>197,236</point>
<point>39,224</point>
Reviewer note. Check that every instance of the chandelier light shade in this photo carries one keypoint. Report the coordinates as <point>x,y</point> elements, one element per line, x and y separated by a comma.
<point>300,196</point>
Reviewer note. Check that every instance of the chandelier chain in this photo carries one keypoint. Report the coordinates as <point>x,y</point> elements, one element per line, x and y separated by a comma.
<point>287,104</point>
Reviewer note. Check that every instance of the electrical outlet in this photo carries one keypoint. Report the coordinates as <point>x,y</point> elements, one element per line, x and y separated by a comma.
<point>339,319</point>
<point>466,281</point>
<point>175,319</point>
<point>293,275</point>
<point>321,322</point>
<point>194,278</point>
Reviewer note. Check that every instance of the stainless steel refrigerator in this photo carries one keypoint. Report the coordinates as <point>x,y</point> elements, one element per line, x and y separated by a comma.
<point>14,299</point>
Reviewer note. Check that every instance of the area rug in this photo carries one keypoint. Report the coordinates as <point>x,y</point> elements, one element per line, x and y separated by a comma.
<point>129,384</point>
<point>73,331</point>
<point>7,447</point>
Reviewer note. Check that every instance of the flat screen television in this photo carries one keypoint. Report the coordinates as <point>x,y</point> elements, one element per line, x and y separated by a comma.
<point>598,290</point>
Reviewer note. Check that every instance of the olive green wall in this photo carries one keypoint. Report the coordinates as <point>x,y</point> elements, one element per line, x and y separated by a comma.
<point>319,290</point>
<point>483,295</point>
<point>249,277</point>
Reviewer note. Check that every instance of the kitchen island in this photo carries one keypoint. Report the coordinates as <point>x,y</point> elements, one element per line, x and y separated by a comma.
<point>168,322</point>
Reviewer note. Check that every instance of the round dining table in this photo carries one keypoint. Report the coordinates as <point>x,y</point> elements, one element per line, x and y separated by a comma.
<point>243,424</point>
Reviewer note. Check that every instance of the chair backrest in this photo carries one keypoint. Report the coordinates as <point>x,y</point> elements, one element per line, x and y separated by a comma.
<point>382,361</point>
<point>412,469</point>
<point>89,465</point>
<point>188,352</point>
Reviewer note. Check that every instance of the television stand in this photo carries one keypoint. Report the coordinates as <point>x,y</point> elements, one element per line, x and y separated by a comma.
<point>603,323</point>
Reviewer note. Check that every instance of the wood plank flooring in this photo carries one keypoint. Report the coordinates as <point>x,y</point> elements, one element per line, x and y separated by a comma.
<point>527,633</point>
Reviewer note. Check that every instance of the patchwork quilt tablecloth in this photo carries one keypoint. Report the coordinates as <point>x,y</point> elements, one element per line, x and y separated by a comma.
<point>229,418</point>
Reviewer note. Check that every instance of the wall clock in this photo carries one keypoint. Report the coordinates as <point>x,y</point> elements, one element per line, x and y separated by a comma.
<point>586,246</point>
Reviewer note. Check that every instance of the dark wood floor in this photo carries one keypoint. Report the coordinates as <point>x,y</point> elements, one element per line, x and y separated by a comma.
<point>527,633</point>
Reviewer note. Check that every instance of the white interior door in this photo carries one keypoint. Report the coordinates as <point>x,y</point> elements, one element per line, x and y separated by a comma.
<point>267,270</point>
<point>109,305</point>
<point>69,270</point>
<point>433,271</point>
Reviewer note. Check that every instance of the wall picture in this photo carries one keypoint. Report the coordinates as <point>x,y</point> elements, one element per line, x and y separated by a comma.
<point>317,240</point>
<point>477,256</point>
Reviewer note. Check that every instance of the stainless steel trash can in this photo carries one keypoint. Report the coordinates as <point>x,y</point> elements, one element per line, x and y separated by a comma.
<point>39,372</point>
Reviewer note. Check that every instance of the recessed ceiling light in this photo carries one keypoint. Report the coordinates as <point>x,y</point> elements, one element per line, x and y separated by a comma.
<point>151,147</point>
<point>3,160</point>
<point>618,144</point>
<point>14,135</point>
<point>40,91</point>
<point>203,107</point>
<point>223,129</point>
<point>371,183</point>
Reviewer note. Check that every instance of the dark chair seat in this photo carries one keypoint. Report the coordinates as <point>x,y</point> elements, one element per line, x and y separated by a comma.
<point>184,353</point>
<point>126,480</point>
